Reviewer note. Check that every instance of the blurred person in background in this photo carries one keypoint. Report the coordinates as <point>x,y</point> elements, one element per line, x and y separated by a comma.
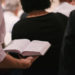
<point>13,12</point>
<point>65,7</point>
<point>62,6</point>
<point>11,17</point>
<point>3,4</point>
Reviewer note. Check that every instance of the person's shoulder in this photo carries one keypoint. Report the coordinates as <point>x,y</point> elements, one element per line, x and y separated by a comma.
<point>61,17</point>
<point>50,15</point>
<point>57,15</point>
<point>19,23</point>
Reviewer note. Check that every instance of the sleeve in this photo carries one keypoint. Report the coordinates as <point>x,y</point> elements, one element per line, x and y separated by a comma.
<point>2,34</point>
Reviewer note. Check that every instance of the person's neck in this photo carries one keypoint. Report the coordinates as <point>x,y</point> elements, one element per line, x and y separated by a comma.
<point>37,13</point>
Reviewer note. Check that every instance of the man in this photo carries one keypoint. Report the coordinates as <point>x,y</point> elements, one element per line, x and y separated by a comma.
<point>7,61</point>
<point>67,55</point>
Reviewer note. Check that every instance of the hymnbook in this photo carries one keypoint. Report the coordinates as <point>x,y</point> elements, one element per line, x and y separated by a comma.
<point>26,47</point>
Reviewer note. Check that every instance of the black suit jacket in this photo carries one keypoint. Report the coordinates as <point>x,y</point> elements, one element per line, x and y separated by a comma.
<point>67,61</point>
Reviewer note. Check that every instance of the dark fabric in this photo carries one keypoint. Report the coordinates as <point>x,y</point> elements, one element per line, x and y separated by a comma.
<point>67,59</point>
<point>11,72</point>
<point>5,71</point>
<point>50,28</point>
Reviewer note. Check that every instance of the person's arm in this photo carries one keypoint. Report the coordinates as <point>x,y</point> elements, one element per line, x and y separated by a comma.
<point>10,62</point>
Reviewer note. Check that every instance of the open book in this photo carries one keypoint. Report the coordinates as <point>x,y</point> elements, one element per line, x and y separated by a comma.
<point>26,47</point>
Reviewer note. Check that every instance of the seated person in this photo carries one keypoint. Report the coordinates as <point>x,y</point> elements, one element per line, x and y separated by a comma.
<point>41,25</point>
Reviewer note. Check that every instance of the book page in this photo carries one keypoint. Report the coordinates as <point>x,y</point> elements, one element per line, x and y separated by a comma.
<point>17,45</point>
<point>38,46</point>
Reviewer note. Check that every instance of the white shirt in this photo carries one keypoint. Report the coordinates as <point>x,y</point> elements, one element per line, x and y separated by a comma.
<point>20,13</point>
<point>2,34</point>
<point>10,20</point>
<point>65,9</point>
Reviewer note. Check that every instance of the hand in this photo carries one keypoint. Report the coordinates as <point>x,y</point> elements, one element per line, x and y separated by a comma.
<point>26,63</point>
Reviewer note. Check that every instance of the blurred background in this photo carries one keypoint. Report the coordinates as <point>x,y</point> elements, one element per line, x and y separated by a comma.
<point>13,12</point>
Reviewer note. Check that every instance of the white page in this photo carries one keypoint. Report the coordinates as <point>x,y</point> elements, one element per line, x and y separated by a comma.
<point>38,46</point>
<point>19,44</point>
